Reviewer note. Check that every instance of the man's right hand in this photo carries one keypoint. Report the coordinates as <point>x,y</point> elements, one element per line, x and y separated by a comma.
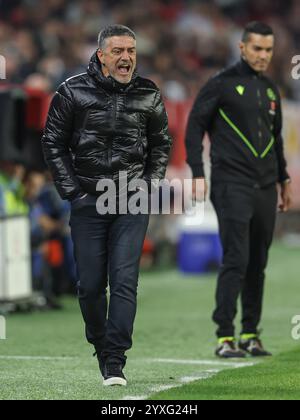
<point>286,196</point>
<point>199,189</point>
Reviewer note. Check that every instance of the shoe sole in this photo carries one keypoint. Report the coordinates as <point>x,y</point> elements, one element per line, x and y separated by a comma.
<point>115,382</point>
<point>255,355</point>
<point>259,355</point>
<point>231,357</point>
<point>243,355</point>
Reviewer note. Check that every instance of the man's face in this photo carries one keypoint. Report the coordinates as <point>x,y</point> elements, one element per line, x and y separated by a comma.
<point>118,58</point>
<point>258,51</point>
<point>9,168</point>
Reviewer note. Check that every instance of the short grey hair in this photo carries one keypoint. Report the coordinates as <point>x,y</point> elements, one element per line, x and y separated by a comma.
<point>113,30</point>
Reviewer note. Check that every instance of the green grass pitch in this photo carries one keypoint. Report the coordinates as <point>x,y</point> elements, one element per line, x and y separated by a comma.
<point>45,355</point>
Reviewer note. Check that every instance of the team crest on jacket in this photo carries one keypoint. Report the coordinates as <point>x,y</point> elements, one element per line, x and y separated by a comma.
<point>240,89</point>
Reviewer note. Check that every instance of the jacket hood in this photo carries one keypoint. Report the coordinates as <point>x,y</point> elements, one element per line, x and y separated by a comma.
<point>109,83</point>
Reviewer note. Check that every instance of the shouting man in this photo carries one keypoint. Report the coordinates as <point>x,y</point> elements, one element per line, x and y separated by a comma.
<point>103,122</point>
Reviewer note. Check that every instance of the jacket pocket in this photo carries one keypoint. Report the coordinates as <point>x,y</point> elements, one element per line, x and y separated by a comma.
<point>80,202</point>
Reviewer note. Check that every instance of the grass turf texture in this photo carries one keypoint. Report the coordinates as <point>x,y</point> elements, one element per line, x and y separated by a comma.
<point>275,379</point>
<point>173,322</point>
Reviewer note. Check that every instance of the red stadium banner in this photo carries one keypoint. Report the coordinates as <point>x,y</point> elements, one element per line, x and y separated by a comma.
<point>37,108</point>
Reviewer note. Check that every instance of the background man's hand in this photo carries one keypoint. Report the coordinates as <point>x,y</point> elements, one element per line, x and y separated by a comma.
<point>50,225</point>
<point>199,189</point>
<point>286,197</point>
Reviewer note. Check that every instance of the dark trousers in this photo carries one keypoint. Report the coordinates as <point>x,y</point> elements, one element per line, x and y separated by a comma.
<point>107,250</point>
<point>247,220</point>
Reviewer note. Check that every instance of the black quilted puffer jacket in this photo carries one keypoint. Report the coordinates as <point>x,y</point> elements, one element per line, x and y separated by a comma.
<point>97,127</point>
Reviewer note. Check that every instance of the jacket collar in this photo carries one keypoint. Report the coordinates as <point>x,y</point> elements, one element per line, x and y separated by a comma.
<point>108,83</point>
<point>246,69</point>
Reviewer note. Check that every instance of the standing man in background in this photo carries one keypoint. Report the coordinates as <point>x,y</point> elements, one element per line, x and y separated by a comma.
<point>103,122</point>
<point>240,108</point>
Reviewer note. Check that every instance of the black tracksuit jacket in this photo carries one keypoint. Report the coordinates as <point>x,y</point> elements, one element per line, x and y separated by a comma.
<point>241,111</point>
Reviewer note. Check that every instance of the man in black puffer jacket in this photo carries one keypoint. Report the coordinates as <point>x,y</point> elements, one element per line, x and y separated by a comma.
<point>103,122</point>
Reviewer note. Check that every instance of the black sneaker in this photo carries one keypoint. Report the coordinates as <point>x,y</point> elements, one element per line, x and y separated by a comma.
<point>228,350</point>
<point>254,347</point>
<point>113,375</point>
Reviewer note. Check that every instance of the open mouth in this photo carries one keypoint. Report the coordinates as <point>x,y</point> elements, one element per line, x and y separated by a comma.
<point>124,69</point>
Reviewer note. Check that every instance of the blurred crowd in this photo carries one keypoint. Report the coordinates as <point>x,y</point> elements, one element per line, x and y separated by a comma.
<point>31,193</point>
<point>180,42</point>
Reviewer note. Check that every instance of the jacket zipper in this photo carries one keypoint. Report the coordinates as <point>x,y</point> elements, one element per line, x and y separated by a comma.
<point>260,134</point>
<point>113,128</point>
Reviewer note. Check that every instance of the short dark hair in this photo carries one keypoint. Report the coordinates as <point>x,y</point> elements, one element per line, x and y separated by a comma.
<point>259,28</point>
<point>114,30</point>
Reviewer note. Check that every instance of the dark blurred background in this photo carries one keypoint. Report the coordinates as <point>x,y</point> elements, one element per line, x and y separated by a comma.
<point>180,42</point>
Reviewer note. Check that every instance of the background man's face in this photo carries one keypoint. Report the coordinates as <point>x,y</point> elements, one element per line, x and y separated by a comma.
<point>34,185</point>
<point>258,51</point>
<point>12,170</point>
<point>118,58</point>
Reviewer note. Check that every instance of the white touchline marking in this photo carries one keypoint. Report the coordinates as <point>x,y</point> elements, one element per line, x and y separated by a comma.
<point>185,380</point>
<point>202,362</point>
<point>161,388</point>
<point>45,358</point>
<point>206,374</point>
<point>182,381</point>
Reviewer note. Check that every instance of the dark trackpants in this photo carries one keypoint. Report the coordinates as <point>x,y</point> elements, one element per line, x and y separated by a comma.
<point>247,218</point>
<point>107,251</point>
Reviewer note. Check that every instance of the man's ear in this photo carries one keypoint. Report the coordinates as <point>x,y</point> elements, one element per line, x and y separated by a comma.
<point>242,47</point>
<point>100,56</point>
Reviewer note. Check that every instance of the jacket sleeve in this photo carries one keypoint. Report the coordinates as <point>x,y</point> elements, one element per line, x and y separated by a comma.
<point>200,119</point>
<point>282,164</point>
<point>159,142</point>
<point>56,143</point>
